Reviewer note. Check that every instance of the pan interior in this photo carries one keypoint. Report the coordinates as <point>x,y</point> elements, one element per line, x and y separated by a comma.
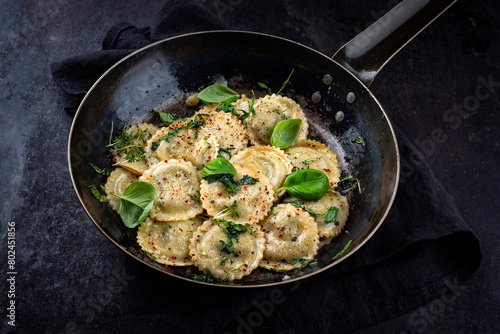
<point>162,75</point>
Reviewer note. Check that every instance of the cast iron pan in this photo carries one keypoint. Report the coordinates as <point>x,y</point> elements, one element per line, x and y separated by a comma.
<point>161,75</point>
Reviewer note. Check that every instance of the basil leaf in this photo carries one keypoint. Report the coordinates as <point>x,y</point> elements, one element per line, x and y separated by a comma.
<point>218,165</point>
<point>331,214</point>
<point>136,203</point>
<point>168,118</point>
<point>285,133</point>
<point>218,94</point>
<point>306,184</point>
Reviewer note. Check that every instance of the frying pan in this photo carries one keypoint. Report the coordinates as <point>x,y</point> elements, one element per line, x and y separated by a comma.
<point>162,74</point>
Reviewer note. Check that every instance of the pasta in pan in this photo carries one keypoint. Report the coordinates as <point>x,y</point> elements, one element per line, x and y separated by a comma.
<point>220,198</point>
<point>250,205</point>
<point>117,182</point>
<point>177,183</point>
<point>312,154</point>
<point>271,160</point>
<point>291,238</point>
<point>168,242</point>
<point>131,157</point>
<point>270,110</point>
<point>232,262</point>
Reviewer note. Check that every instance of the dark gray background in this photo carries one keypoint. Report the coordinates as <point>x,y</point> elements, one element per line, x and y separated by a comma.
<point>71,279</point>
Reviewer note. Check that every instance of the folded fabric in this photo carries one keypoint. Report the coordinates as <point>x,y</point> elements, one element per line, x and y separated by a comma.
<point>423,247</point>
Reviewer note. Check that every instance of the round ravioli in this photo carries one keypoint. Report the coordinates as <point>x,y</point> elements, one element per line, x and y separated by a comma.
<point>168,242</point>
<point>117,182</point>
<point>227,130</point>
<point>129,151</point>
<point>291,238</point>
<point>315,155</point>
<point>185,140</point>
<point>271,160</point>
<point>228,250</point>
<point>331,213</point>
<point>248,201</point>
<point>269,111</point>
<point>177,184</point>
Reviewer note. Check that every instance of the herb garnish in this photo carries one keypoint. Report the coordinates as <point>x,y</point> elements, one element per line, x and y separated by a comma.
<point>287,81</point>
<point>194,124</point>
<point>168,118</point>
<point>285,133</point>
<point>305,162</point>
<point>331,213</point>
<point>269,91</point>
<point>304,262</point>
<point>226,151</point>
<point>97,194</point>
<point>300,206</point>
<point>263,85</point>
<point>339,254</point>
<point>131,145</point>
<point>228,210</point>
<point>220,169</point>
<point>232,186</point>
<point>232,230</point>
<point>136,203</point>
<point>230,271</point>
<point>150,255</point>
<point>306,184</point>
<point>104,171</point>
<point>359,140</point>
<point>218,94</point>
<point>279,112</point>
<point>208,278</point>
<point>227,107</point>
<point>343,185</point>
<point>196,198</point>
<point>251,110</point>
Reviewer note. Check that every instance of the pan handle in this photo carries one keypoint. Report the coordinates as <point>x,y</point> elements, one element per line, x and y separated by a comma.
<point>366,54</point>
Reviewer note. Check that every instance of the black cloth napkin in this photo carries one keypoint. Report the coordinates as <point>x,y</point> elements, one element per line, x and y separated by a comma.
<point>421,253</point>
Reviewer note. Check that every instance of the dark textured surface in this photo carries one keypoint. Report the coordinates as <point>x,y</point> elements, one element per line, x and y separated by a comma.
<point>61,290</point>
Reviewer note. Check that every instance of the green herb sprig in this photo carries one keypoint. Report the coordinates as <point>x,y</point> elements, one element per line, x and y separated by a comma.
<point>251,110</point>
<point>339,254</point>
<point>269,91</point>
<point>131,145</point>
<point>287,81</point>
<point>263,85</point>
<point>343,185</point>
<point>97,194</point>
<point>228,210</point>
<point>305,162</point>
<point>194,124</point>
<point>331,213</point>
<point>103,171</point>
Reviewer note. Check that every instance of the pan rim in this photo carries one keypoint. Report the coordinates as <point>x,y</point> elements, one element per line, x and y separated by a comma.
<point>327,267</point>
